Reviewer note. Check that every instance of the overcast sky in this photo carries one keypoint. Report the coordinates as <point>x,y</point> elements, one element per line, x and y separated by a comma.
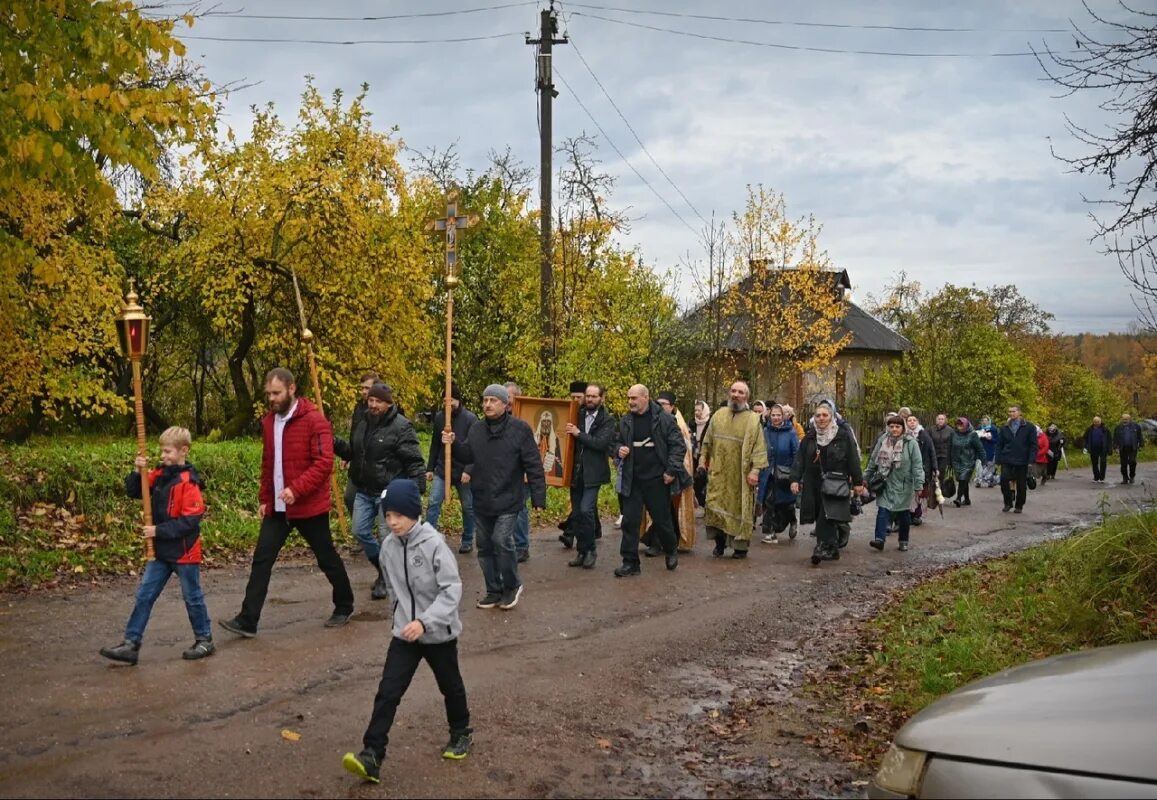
<point>939,166</point>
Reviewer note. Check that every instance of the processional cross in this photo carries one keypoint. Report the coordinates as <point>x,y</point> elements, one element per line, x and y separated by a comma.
<point>450,224</point>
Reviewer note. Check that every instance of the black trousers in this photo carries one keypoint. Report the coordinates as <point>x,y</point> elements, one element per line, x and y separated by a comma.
<point>656,497</point>
<point>1128,463</point>
<point>402,660</point>
<point>1100,460</point>
<point>583,523</point>
<point>962,491</point>
<point>1051,470</point>
<point>275,530</point>
<point>1018,473</point>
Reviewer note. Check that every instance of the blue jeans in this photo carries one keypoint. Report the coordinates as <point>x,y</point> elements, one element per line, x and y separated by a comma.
<point>884,521</point>
<point>465,497</point>
<point>496,554</point>
<point>367,510</point>
<point>153,580</point>
<point>522,529</point>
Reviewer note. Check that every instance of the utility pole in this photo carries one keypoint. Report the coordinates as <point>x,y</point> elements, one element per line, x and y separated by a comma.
<point>544,85</point>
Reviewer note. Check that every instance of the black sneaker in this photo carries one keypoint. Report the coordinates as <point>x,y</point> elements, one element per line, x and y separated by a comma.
<point>831,553</point>
<point>523,556</point>
<point>718,551</point>
<point>379,590</point>
<point>654,551</point>
<point>589,560</point>
<point>466,547</point>
<point>127,652</point>
<point>202,648</point>
<point>1018,511</point>
<point>739,554</point>
<point>578,560</point>
<point>365,765</point>
<point>903,547</point>
<point>628,570</point>
<point>817,555</point>
<point>672,560</point>
<point>337,620</point>
<point>510,597</point>
<point>878,544</point>
<point>236,626</point>
<point>489,601</point>
<point>458,747</point>
<point>567,541</point>
<point>1006,509</point>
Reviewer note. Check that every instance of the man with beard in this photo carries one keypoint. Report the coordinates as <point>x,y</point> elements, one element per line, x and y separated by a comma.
<point>502,461</point>
<point>383,446</point>
<point>734,452</point>
<point>460,421</point>
<point>296,462</point>
<point>592,436</point>
<point>651,448</point>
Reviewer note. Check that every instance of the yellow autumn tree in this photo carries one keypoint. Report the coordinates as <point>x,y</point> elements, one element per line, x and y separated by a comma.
<point>87,91</point>
<point>328,201</point>
<point>785,300</point>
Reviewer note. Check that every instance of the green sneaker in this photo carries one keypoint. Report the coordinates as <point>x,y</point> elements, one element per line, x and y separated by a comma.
<point>365,765</point>
<point>458,747</point>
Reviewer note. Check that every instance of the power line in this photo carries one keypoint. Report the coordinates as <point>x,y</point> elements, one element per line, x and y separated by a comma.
<point>631,128</point>
<point>802,48</point>
<point>614,147</point>
<point>795,23</point>
<point>352,41</point>
<point>228,15</point>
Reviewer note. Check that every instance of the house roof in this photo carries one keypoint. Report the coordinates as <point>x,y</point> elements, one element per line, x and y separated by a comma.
<point>867,334</point>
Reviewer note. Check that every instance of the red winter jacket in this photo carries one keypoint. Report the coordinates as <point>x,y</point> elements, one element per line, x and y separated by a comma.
<point>306,461</point>
<point>1042,446</point>
<point>175,494</point>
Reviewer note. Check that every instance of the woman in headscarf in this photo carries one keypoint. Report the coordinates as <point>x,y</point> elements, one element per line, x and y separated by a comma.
<point>964,450</point>
<point>824,474</point>
<point>698,431</point>
<point>895,471</point>
<point>928,456</point>
<point>775,495</point>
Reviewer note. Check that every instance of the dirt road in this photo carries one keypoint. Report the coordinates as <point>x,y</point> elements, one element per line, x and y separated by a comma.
<point>593,686</point>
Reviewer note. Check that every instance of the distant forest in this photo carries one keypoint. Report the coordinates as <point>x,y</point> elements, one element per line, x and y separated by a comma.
<point>1128,360</point>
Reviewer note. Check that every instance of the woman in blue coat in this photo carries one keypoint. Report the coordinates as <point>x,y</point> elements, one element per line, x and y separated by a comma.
<point>775,495</point>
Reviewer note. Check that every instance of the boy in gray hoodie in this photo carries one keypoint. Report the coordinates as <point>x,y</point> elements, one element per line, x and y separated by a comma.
<point>423,576</point>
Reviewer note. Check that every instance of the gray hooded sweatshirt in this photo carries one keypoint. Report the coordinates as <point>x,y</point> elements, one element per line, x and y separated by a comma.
<point>424,582</point>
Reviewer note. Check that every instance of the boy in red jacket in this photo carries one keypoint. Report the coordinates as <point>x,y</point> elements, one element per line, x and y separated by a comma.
<point>175,492</point>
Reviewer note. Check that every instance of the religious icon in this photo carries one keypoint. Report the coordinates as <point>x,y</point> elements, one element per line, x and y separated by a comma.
<point>547,419</point>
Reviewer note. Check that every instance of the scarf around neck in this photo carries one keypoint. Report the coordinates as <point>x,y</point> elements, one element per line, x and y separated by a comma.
<point>890,452</point>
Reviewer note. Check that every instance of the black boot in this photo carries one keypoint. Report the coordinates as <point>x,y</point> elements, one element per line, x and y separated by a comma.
<point>720,545</point>
<point>126,652</point>
<point>379,591</point>
<point>577,561</point>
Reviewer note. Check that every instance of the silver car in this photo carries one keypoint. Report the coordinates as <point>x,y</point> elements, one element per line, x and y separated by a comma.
<point>1081,724</point>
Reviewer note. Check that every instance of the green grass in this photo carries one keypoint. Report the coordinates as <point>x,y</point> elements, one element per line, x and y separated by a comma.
<point>63,511</point>
<point>1095,588</point>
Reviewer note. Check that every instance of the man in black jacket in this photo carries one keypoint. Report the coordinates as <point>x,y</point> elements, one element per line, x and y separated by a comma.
<point>382,446</point>
<point>359,411</point>
<point>461,418</point>
<point>651,448</point>
<point>1016,446</point>
<point>593,435</point>
<point>499,453</point>
<point>1127,440</point>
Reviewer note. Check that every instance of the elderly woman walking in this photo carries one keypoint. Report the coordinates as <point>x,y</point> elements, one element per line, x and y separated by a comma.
<point>824,474</point>
<point>964,450</point>
<point>895,472</point>
<point>775,495</point>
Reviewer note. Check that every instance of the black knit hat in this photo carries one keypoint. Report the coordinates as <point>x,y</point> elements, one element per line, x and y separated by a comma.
<point>668,396</point>
<point>383,392</point>
<point>578,386</point>
<point>402,497</point>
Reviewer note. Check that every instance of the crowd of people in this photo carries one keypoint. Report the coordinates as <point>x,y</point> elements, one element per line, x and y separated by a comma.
<point>749,466</point>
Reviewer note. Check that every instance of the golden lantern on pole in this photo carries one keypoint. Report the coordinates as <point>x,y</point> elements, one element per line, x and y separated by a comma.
<point>133,332</point>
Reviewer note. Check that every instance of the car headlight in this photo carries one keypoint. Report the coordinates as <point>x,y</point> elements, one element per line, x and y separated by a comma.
<point>901,770</point>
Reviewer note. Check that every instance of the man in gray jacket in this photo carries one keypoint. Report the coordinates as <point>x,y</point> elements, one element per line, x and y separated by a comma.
<point>423,576</point>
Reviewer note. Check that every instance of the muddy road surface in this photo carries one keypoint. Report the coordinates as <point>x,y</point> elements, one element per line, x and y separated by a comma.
<point>681,683</point>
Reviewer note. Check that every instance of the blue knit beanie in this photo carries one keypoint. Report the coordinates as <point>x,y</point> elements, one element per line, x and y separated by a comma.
<point>402,496</point>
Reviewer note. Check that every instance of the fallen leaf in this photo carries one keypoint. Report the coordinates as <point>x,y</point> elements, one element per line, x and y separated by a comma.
<point>604,743</point>
<point>292,736</point>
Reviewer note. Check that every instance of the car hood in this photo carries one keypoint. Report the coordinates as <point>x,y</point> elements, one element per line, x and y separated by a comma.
<point>1090,711</point>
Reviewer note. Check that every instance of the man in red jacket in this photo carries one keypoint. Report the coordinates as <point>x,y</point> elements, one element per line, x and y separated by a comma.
<point>295,467</point>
